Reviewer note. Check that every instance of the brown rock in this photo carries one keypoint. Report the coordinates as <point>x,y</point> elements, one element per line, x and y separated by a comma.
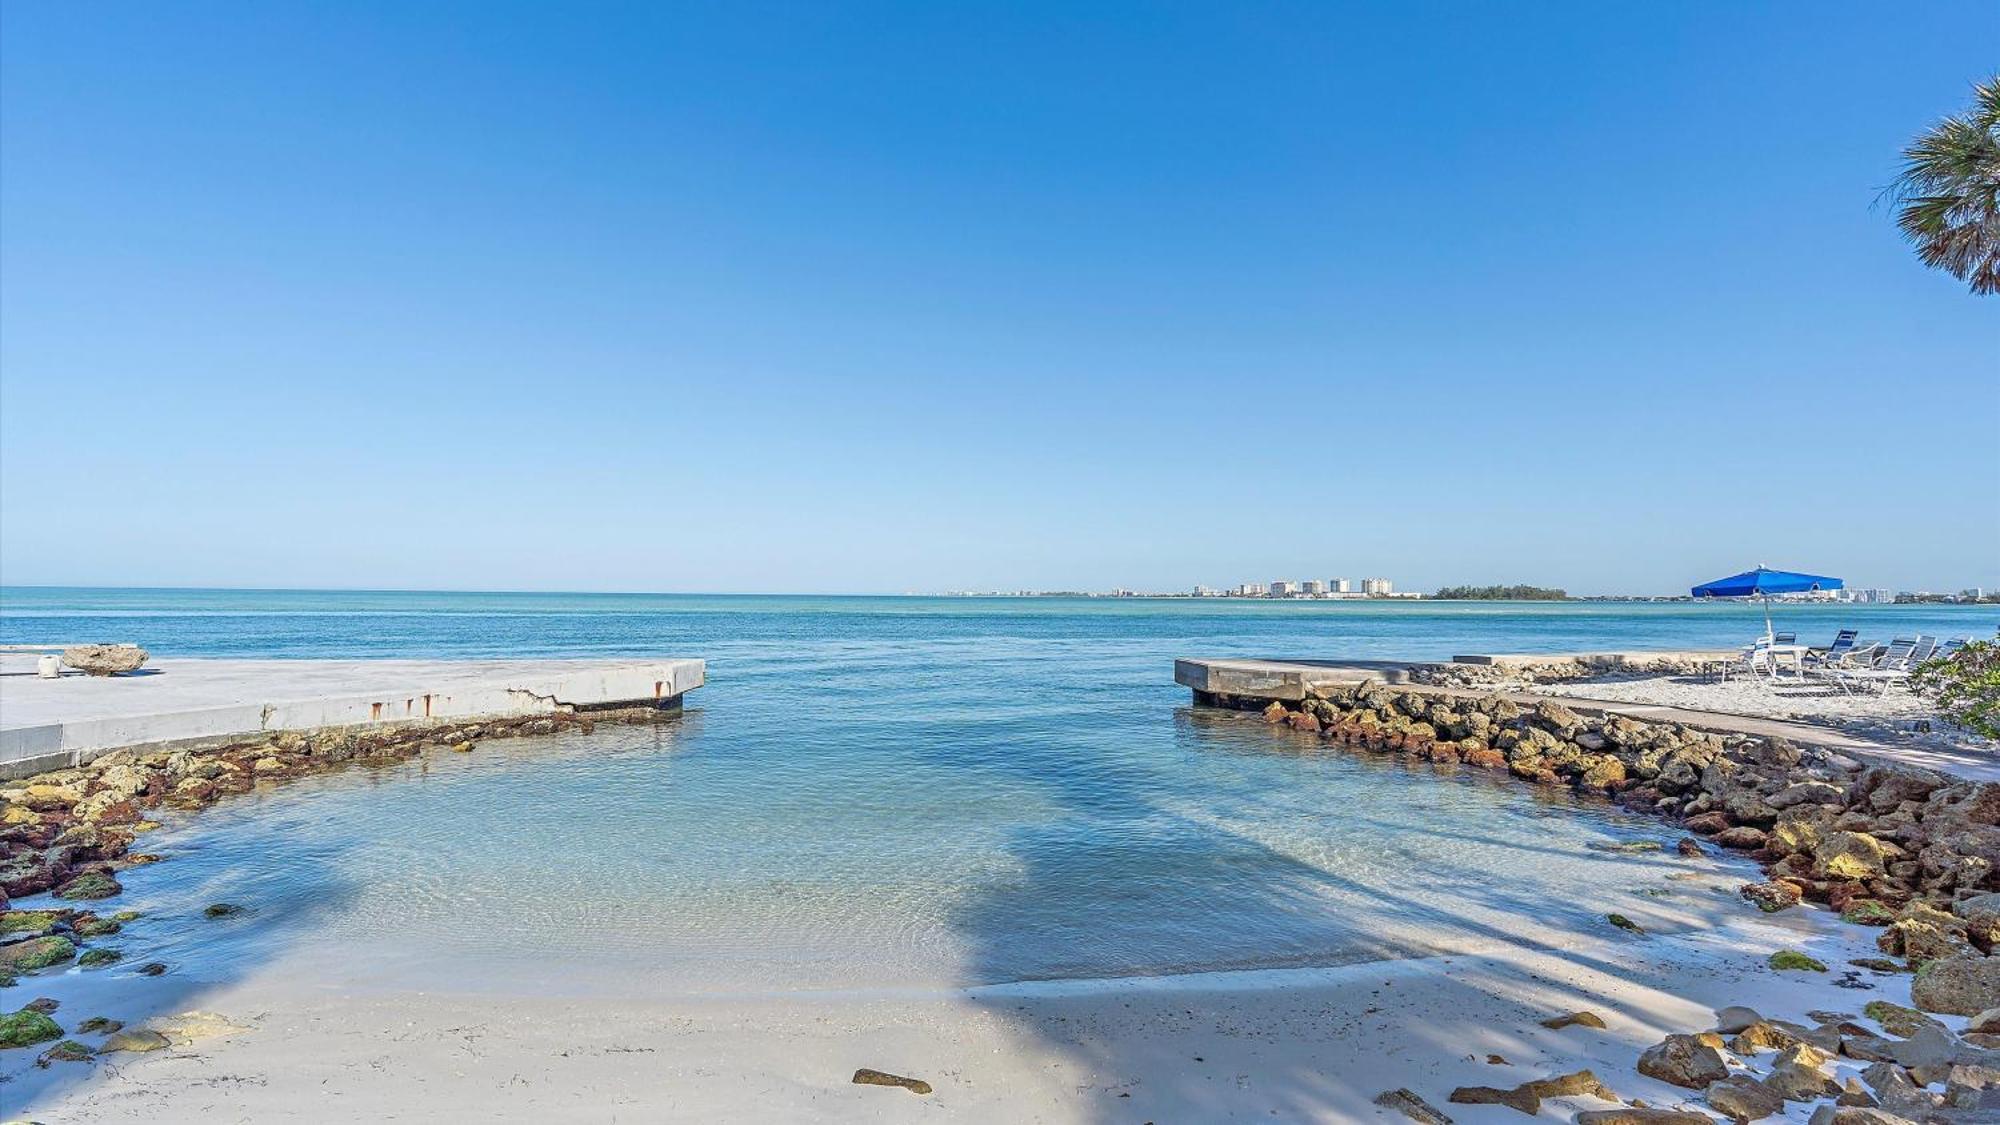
<point>1742,838</point>
<point>1411,1106</point>
<point>1742,1099</point>
<point>1773,896</point>
<point>1961,985</point>
<point>1684,1061</point>
<point>1574,1019</point>
<point>868,1077</point>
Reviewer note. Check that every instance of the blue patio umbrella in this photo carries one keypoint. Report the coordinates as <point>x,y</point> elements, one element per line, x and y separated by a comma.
<point>1762,583</point>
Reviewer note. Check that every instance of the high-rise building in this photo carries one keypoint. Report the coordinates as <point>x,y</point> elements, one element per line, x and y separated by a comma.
<point>1284,588</point>
<point>1376,587</point>
<point>1314,587</point>
<point>1250,590</point>
<point>1343,586</point>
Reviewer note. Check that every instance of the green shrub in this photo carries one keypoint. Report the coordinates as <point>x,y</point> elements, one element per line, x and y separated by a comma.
<point>1965,687</point>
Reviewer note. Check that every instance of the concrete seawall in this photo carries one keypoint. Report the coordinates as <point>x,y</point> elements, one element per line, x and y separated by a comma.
<point>49,724</point>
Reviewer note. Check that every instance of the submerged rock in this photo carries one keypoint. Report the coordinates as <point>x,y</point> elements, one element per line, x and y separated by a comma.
<point>92,958</point>
<point>69,1050</point>
<point>90,885</point>
<point>36,953</point>
<point>99,1025</point>
<point>26,1028</point>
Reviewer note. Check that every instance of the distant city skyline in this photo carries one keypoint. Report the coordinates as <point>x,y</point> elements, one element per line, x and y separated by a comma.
<point>859,299</point>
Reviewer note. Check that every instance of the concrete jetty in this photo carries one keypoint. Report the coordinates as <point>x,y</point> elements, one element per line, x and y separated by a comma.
<point>51,723</point>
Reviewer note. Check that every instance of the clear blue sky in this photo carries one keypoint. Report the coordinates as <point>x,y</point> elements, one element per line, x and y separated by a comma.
<point>881,298</point>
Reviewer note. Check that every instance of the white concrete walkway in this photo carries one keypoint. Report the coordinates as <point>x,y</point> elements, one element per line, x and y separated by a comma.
<point>45,724</point>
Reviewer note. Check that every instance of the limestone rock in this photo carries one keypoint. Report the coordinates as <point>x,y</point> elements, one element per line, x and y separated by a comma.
<point>1733,1019</point>
<point>1773,896</point>
<point>136,1039</point>
<point>1853,1115</point>
<point>104,660</point>
<point>36,953</point>
<point>1982,919</point>
<point>1411,1106</point>
<point>1896,1019</point>
<point>1741,1098</point>
<point>1643,1115</point>
<point>26,1028</point>
<point>1684,1061</point>
<point>1852,855</point>
<point>1742,837</point>
<point>1575,1019</point>
<point>1519,1098</point>
<point>1965,984</point>
<point>862,1077</point>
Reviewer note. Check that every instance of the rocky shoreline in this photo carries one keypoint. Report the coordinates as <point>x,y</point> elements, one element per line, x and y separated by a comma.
<point>1909,851</point>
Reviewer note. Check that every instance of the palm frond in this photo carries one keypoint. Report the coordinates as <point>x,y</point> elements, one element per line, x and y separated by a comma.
<point>1948,193</point>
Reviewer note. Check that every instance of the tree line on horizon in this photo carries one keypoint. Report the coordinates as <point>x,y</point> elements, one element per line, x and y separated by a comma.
<point>1502,594</point>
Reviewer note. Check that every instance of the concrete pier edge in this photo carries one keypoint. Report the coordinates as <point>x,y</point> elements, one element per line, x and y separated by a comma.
<point>59,733</point>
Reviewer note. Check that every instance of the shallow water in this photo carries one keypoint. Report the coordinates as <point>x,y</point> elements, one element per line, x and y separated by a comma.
<point>880,793</point>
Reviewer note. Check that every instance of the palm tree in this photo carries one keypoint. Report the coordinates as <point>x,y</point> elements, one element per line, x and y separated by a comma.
<point>1948,196</point>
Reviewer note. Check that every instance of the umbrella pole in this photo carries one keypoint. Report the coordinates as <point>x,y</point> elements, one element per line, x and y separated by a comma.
<point>1770,635</point>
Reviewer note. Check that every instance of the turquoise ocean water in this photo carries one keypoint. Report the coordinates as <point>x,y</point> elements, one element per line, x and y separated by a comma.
<point>879,793</point>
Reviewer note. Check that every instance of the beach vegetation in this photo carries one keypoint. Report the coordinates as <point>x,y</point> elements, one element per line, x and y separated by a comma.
<point>1502,594</point>
<point>1965,686</point>
<point>1947,196</point>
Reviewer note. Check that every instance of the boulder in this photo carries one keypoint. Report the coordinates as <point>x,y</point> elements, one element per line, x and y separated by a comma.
<point>89,885</point>
<point>1808,793</point>
<point>1852,855</point>
<point>26,1028</point>
<point>1575,1019</point>
<point>36,953</point>
<point>1733,1019</point>
<point>1796,1082</point>
<point>1921,932</point>
<point>143,1039</point>
<point>1643,1115</point>
<point>1792,959</point>
<point>1741,1098</point>
<point>104,660</point>
<point>1742,838</point>
<point>1896,1019</point>
<point>1981,914</point>
<point>1408,1104</point>
<point>1773,896</point>
<point>1853,1115</point>
<point>1684,1061</point>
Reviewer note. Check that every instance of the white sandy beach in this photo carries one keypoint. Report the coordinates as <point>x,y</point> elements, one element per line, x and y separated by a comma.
<point>1891,717</point>
<point>1306,1044</point>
